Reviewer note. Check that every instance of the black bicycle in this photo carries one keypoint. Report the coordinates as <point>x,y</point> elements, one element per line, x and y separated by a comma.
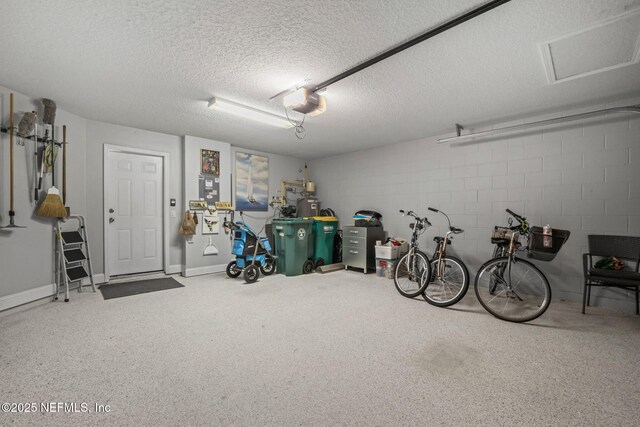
<point>449,280</point>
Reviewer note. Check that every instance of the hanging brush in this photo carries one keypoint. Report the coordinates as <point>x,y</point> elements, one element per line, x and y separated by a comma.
<point>27,124</point>
<point>49,113</point>
<point>52,205</point>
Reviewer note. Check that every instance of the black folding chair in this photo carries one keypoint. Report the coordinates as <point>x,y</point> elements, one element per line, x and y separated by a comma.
<point>625,248</point>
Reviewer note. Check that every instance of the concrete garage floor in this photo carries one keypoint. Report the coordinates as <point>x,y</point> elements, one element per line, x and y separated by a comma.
<point>340,348</point>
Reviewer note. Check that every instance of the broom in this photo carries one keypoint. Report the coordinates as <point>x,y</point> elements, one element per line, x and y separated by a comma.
<point>52,205</point>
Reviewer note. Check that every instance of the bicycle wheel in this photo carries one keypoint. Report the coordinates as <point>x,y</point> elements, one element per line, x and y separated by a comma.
<point>514,291</point>
<point>409,273</point>
<point>449,282</point>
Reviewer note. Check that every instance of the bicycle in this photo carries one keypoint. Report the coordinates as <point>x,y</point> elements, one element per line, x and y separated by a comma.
<point>415,264</point>
<point>449,280</point>
<point>509,287</point>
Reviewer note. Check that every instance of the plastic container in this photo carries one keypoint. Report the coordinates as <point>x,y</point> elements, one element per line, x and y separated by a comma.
<point>390,271</point>
<point>381,266</point>
<point>324,233</point>
<point>386,267</point>
<point>294,245</point>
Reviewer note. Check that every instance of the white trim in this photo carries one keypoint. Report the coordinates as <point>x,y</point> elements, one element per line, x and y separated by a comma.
<point>97,279</point>
<point>188,272</point>
<point>545,50</point>
<point>165,199</point>
<point>174,269</point>
<point>25,297</point>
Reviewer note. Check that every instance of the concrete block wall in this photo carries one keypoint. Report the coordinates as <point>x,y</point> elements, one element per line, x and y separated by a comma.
<point>583,176</point>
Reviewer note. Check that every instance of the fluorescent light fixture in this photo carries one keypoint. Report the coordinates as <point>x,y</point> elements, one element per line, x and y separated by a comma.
<point>249,113</point>
<point>306,102</point>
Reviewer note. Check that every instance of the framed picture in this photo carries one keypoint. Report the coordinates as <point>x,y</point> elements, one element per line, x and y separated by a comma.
<point>209,162</point>
<point>210,223</point>
<point>252,182</point>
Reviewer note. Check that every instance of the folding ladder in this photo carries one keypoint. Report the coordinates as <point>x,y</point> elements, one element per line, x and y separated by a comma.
<point>73,260</point>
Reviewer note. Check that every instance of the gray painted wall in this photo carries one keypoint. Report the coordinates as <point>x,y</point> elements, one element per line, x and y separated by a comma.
<point>583,176</point>
<point>99,134</point>
<point>194,260</point>
<point>26,255</point>
<point>280,167</point>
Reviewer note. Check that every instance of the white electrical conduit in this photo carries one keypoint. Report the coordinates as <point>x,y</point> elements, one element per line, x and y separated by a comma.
<point>469,136</point>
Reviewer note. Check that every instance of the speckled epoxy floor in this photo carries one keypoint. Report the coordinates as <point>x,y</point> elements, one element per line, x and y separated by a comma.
<point>333,349</point>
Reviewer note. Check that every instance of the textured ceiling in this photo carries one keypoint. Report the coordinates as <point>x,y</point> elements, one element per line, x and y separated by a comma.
<point>154,64</point>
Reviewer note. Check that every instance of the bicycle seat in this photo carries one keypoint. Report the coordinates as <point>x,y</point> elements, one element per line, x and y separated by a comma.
<point>439,240</point>
<point>501,242</point>
<point>456,230</point>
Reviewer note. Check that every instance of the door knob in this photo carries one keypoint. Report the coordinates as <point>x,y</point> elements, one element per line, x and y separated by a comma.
<point>111,211</point>
<point>111,220</point>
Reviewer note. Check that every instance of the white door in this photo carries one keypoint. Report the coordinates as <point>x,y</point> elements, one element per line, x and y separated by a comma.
<point>134,213</point>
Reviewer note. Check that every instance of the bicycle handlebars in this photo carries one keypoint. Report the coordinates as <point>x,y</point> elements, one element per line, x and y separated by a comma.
<point>433,209</point>
<point>516,216</point>
<point>523,225</point>
<point>413,214</point>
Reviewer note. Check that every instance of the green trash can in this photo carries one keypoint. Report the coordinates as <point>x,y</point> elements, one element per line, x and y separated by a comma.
<point>324,233</point>
<point>294,245</point>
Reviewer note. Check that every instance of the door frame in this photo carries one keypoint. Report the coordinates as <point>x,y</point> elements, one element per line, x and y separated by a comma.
<point>108,148</point>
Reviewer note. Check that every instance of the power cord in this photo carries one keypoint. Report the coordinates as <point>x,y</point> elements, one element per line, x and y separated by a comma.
<point>300,132</point>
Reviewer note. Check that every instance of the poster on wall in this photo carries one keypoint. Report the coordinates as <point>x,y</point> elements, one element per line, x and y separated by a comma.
<point>209,162</point>
<point>209,189</point>
<point>252,182</point>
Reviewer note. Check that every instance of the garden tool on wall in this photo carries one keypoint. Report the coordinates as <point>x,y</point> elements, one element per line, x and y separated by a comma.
<point>210,249</point>
<point>49,114</point>
<point>12,212</point>
<point>27,125</point>
<point>52,205</point>
<point>36,173</point>
<point>64,169</point>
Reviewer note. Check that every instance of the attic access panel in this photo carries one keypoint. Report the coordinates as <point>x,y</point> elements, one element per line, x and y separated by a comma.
<point>608,45</point>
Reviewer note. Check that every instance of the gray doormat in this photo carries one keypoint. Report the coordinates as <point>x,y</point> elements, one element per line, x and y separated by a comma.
<point>118,290</point>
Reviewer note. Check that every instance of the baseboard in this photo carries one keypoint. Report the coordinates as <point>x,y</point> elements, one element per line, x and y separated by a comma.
<point>188,272</point>
<point>173,269</point>
<point>25,297</point>
<point>97,279</point>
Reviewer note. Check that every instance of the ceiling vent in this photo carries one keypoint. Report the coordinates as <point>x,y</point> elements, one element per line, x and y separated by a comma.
<point>605,46</point>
